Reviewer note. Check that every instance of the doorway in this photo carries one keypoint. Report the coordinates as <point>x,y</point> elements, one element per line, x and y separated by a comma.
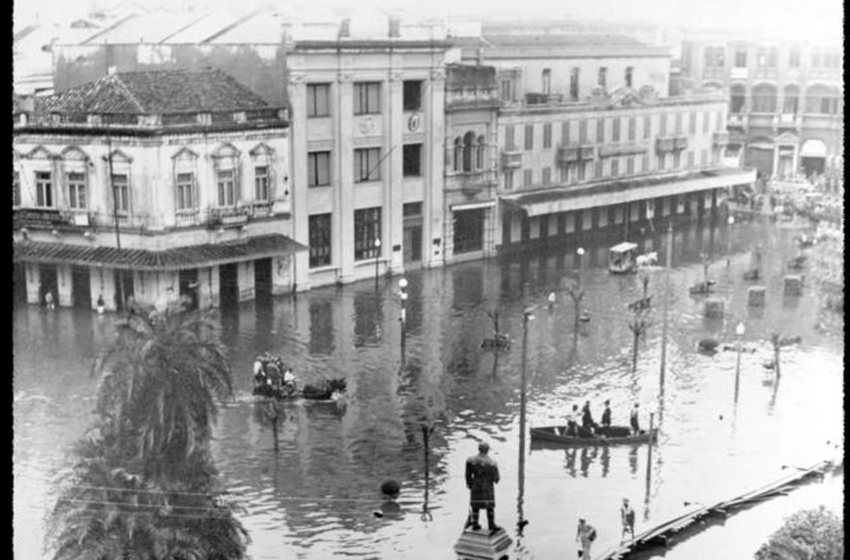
<point>47,284</point>
<point>228,275</point>
<point>263,278</point>
<point>188,282</point>
<point>81,288</point>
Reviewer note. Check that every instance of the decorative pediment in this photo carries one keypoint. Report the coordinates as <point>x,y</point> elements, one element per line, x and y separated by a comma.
<point>626,97</point>
<point>787,138</point>
<point>261,150</point>
<point>184,153</point>
<point>40,152</point>
<point>118,157</point>
<point>226,150</point>
<point>73,153</point>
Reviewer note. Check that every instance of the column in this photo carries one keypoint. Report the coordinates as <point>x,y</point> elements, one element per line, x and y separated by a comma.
<point>775,160</point>
<point>208,287</point>
<point>342,221</point>
<point>64,285</point>
<point>393,185</point>
<point>33,274</point>
<point>434,213</point>
<point>246,280</point>
<point>299,192</point>
<point>282,274</point>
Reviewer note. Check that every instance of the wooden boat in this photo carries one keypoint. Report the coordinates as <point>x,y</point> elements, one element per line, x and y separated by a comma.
<point>273,378</point>
<point>701,288</point>
<point>622,258</point>
<point>618,435</point>
<point>499,342</point>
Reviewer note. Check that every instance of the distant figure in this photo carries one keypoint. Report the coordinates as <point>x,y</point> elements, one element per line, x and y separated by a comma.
<point>585,536</point>
<point>551,299</point>
<point>572,422</point>
<point>587,418</point>
<point>627,516</point>
<point>633,420</point>
<point>606,415</point>
<point>48,301</point>
<point>101,305</point>
<point>482,473</point>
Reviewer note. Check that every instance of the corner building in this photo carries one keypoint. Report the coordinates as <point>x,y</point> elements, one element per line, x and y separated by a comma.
<point>367,147</point>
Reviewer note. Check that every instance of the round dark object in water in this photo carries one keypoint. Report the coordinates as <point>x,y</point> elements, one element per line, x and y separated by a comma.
<point>390,487</point>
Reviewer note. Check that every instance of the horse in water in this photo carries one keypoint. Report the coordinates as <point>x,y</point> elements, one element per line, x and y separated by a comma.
<point>649,259</point>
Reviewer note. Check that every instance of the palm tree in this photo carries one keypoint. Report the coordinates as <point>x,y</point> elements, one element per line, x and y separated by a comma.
<point>160,382</point>
<point>815,534</point>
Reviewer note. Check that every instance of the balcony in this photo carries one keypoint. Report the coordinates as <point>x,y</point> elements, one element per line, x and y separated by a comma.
<point>186,217</point>
<point>623,149</point>
<point>260,210</point>
<point>680,143</point>
<point>664,144</point>
<point>787,121</point>
<point>511,159</point>
<point>771,73</point>
<point>228,216</point>
<point>51,217</point>
<point>473,182</point>
<point>572,154</point>
<point>737,120</point>
<point>720,138</point>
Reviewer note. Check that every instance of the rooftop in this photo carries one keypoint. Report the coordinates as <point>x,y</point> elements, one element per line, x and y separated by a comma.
<point>157,92</point>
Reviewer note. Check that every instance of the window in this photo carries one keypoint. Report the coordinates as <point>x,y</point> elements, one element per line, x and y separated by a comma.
<point>411,209</point>
<point>510,142</point>
<point>703,157</point>
<point>185,191</point>
<point>547,135</point>
<point>574,76</point>
<point>816,59</point>
<point>738,99</point>
<point>226,187</point>
<point>603,77</point>
<point>320,240</point>
<point>367,228</point>
<point>412,95</point>
<point>714,57</point>
<point>16,187</point>
<point>597,171</point>
<point>678,124</point>
<point>582,170</point>
<point>318,169</point>
<point>794,57</point>
<point>412,160</point>
<point>546,79</point>
<point>366,165</point>
<point>509,180</point>
<point>565,133</point>
<point>76,190</point>
<point>630,165</point>
<point>644,163</point>
<point>43,189</point>
<point>582,132</point>
<point>529,137</point>
<point>677,159</point>
<point>468,151</point>
<point>121,193</point>
<point>480,149</point>
<point>457,155</point>
<point>527,177</point>
<point>615,167</point>
<point>630,72</point>
<point>261,183</point>
<point>690,160</point>
<point>547,175</point>
<point>600,130</point>
<point>741,58</point>
<point>718,121</point>
<point>318,100</point>
<point>764,98</point>
<point>662,127</point>
<point>615,132</point>
<point>692,122</point>
<point>367,98</point>
<point>647,127</point>
<point>659,162</point>
<point>507,90</point>
<point>767,57</point>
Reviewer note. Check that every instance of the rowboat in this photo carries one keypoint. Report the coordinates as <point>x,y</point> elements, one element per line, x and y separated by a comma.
<point>619,435</point>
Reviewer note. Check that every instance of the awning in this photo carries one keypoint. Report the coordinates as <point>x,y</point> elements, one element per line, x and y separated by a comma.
<point>472,206</point>
<point>571,198</point>
<point>813,148</point>
<point>177,258</point>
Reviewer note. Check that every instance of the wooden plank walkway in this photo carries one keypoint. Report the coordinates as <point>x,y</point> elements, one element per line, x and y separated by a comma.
<point>660,534</point>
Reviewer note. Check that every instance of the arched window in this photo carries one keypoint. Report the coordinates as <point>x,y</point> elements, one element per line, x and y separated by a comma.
<point>226,162</point>
<point>791,102</point>
<point>738,98</point>
<point>822,99</point>
<point>480,147</point>
<point>764,98</point>
<point>75,175</point>
<point>458,154</point>
<point>468,149</point>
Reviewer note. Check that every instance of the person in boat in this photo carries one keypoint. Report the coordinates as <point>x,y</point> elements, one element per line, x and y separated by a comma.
<point>259,372</point>
<point>627,516</point>
<point>288,379</point>
<point>606,417</point>
<point>633,420</point>
<point>572,423</point>
<point>587,423</point>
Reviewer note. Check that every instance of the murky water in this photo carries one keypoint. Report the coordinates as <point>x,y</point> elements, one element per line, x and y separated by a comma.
<point>314,498</point>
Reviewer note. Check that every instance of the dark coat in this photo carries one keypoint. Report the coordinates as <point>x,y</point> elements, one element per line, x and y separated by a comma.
<point>482,473</point>
<point>587,418</point>
<point>606,418</point>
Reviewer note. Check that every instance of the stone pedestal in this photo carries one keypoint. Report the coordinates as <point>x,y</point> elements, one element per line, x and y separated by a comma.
<point>793,285</point>
<point>713,308</point>
<point>756,296</point>
<point>481,545</point>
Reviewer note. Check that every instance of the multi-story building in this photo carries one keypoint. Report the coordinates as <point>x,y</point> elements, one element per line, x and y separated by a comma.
<point>153,184</point>
<point>588,140</point>
<point>785,101</point>
<point>470,207</point>
<point>366,95</point>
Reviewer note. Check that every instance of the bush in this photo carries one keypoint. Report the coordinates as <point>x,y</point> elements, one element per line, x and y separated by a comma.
<point>814,534</point>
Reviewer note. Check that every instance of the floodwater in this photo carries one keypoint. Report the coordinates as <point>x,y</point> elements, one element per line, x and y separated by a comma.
<point>315,497</point>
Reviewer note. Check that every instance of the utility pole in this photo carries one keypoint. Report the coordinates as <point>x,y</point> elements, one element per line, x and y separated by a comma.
<point>118,272</point>
<point>526,316</point>
<point>775,339</point>
<point>666,305</point>
<point>577,292</point>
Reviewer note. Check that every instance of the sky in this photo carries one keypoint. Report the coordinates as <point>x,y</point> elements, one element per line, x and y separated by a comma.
<point>817,20</point>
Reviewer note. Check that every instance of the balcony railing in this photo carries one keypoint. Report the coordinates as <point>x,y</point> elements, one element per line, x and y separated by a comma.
<point>473,182</point>
<point>572,154</point>
<point>228,216</point>
<point>623,149</point>
<point>737,120</point>
<point>680,143</point>
<point>186,217</point>
<point>511,159</point>
<point>261,209</point>
<point>664,144</point>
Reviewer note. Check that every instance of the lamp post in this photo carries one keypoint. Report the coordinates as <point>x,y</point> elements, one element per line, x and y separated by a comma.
<point>739,330</point>
<point>377,255</point>
<point>730,221</point>
<point>402,294</point>
<point>580,253</point>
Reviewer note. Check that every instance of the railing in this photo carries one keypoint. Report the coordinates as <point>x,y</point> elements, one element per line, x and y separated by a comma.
<point>664,144</point>
<point>228,216</point>
<point>511,159</point>
<point>186,217</point>
<point>623,149</point>
<point>261,209</point>
<point>572,154</point>
<point>473,182</point>
<point>680,143</point>
<point>786,120</point>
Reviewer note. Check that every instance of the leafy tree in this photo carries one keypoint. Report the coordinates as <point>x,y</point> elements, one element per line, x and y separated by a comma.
<point>143,485</point>
<point>814,534</point>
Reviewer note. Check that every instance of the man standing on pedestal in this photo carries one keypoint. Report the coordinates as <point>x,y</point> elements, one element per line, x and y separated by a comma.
<point>482,473</point>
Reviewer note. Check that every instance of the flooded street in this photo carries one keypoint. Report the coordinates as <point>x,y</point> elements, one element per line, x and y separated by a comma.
<point>314,498</point>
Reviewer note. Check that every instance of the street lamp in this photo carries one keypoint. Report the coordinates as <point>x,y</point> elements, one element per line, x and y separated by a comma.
<point>377,255</point>
<point>402,289</point>
<point>580,253</point>
<point>730,221</point>
<point>739,330</point>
